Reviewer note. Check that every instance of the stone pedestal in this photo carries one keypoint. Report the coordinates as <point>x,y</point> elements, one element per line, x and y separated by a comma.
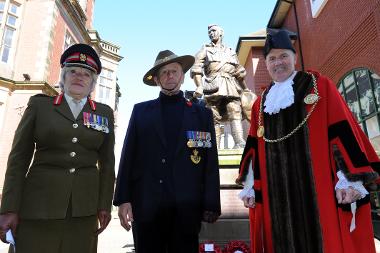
<point>233,223</point>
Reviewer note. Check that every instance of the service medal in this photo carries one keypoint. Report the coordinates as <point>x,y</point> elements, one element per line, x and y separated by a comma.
<point>260,131</point>
<point>208,136</point>
<point>311,99</point>
<point>194,157</point>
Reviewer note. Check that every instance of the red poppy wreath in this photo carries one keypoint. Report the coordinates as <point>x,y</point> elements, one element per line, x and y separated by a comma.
<point>237,247</point>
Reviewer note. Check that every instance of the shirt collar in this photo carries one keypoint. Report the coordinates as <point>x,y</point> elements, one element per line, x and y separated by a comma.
<point>70,100</point>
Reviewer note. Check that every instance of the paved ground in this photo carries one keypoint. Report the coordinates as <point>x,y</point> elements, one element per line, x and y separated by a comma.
<point>117,240</point>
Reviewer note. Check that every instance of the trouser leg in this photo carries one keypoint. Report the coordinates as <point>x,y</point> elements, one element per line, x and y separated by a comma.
<point>217,117</point>
<point>235,118</point>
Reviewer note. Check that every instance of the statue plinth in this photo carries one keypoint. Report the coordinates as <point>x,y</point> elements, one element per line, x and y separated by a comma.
<point>233,223</point>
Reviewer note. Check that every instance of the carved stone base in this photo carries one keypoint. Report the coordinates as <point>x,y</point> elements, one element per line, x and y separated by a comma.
<point>224,231</point>
<point>233,223</point>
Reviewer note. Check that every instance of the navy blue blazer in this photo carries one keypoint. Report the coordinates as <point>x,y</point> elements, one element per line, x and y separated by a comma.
<point>144,154</point>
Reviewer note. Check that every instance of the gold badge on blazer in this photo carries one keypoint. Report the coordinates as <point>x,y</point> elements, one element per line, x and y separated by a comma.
<point>195,158</point>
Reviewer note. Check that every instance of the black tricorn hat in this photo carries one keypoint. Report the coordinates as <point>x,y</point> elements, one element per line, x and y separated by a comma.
<point>277,40</point>
<point>165,57</point>
<point>81,55</point>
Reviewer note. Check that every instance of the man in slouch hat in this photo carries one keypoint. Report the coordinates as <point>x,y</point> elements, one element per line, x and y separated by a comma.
<point>168,180</point>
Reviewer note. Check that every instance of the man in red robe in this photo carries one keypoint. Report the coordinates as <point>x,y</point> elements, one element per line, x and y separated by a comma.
<point>306,164</point>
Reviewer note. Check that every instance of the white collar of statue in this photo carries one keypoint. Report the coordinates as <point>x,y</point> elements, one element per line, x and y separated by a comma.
<point>280,95</point>
<point>219,45</point>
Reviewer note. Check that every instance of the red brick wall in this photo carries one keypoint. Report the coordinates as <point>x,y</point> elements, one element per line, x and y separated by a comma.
<point>261,78</point>
<point>345,35</point>
<point>249,78</point>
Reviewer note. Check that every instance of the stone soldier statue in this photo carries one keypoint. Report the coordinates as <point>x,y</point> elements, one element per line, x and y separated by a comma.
<point>223,83</point>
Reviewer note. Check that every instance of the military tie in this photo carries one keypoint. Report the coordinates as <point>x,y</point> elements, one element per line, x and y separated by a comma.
<point>77,108</point>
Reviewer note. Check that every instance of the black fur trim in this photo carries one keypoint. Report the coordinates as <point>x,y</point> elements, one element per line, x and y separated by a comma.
<point>258,197</point>
<point>359,203</point>
<point>343,131</point>
<point>366,177</point>
<point>290,181</point>
<point>376,166</point>
<point>251,143</point>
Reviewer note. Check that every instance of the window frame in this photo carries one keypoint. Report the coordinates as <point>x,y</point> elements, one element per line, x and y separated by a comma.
<point>106,74</point>
<point>362,120</point>
<point>5,26</point>
<point>316,7</point>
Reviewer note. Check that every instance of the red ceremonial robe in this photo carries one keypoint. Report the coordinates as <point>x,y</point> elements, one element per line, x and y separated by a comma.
<point>330,140</point>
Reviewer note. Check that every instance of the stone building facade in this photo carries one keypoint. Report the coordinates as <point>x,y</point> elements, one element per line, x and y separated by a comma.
<point>33,35</point>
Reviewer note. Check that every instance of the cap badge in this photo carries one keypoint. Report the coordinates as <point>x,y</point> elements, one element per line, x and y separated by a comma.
<point>82,57</point>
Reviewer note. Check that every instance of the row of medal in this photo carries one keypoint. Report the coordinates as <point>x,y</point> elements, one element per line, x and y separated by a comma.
<point>198,139</point>
<point>96,122</point>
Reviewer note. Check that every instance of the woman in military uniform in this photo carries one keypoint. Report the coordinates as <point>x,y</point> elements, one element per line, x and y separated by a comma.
<point>61,200</point>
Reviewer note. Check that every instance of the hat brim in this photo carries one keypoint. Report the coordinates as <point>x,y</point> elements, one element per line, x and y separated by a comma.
<point>186,62</point>
<point>75,64</point>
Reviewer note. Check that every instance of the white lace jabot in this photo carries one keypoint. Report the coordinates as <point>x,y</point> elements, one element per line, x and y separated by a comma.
<point>280,96</point>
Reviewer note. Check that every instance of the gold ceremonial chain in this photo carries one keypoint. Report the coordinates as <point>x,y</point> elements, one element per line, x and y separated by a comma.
<point>309,99</point>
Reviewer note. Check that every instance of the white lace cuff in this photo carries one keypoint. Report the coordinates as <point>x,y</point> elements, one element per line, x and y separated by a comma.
<point>343,183</point>
<point>248,190</point>
<point>246,193</point>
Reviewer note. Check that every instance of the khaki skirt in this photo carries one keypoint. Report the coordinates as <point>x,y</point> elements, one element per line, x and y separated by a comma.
<point>69,235</point>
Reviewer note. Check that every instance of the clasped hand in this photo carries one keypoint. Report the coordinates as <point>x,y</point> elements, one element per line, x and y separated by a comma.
<point>347,196</point>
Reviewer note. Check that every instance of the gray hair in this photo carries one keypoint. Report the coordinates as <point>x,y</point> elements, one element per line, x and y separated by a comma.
<point>66,69</point>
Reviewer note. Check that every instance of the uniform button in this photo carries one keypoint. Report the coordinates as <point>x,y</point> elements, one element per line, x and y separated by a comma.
<point>72,170</point>
<point>73,154</point>
<point>75,140</point>
<point>160,181</point>
<point>75,125</point>
<point>163,160</point>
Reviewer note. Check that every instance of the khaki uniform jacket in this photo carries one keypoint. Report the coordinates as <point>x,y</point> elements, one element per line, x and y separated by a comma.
<point>70,161</point>
<point>221,69</point>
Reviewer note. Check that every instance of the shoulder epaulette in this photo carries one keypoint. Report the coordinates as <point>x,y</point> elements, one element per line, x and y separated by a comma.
<point>92,103</point>
<point>58,99</point>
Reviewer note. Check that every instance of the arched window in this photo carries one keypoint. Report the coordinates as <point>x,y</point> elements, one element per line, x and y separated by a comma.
<point>360,88</point>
